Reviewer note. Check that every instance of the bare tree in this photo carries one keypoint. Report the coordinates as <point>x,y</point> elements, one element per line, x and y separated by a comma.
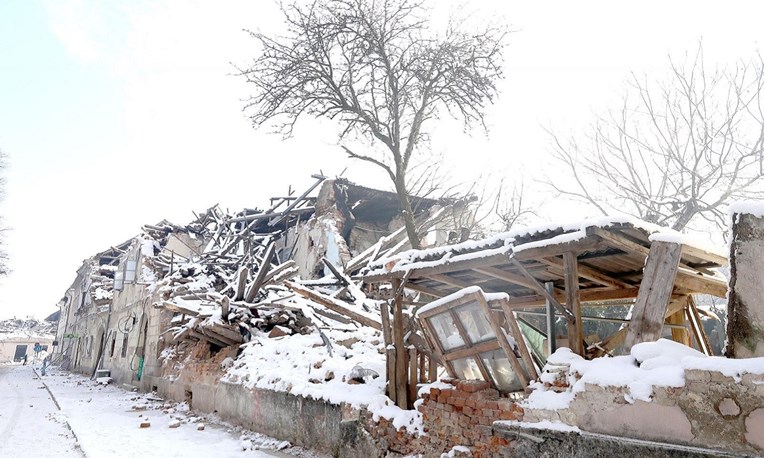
<point>676,151</point>
<point>375,67</point>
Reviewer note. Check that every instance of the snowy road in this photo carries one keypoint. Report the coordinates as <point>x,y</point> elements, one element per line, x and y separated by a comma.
<point>105,422</point>
<point>30,422</point>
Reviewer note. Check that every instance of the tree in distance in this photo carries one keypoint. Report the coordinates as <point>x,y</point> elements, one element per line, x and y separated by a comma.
<point>677,151</point>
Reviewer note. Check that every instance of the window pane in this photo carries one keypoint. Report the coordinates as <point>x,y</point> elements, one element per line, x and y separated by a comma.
<point>475,322</point>
<point>467,369</point>
<point>446,331</point>
<point>130,267</point>
<point>118,280</point>
<point>501,371</point>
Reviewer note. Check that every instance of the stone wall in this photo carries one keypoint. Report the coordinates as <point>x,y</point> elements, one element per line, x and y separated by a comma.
<point>745,299</point>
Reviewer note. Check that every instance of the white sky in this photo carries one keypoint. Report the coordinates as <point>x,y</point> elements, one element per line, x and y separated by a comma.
<point>114,114</point>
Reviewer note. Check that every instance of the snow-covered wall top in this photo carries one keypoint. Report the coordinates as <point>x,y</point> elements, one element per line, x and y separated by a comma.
<point>752,207</point>
<point>508,243</point>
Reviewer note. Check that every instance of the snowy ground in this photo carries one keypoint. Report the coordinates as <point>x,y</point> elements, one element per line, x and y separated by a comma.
<point>104,421</point>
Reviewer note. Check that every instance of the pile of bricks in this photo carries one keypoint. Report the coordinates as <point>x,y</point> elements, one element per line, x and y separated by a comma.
<point>464,414</point>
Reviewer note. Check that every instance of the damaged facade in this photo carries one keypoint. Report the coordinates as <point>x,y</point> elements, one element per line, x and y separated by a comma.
<point>225,312</point>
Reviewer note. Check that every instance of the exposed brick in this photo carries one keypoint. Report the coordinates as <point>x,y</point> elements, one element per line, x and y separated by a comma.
<point>470,403</point>
<point>473,386</point>
<point>459,402</point>
<point>442,398</point>
<point>485,430</point>
<point>467,410</point>
<point>434,392</point>
<point>448,408</point>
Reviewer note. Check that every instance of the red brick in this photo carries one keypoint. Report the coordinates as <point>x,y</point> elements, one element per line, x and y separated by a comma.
<point>442,398</point>
<point>472,386</point>
<point>470,403</point>
<point>459,401</point>
<point>486,421</point>
<point>449,408</point>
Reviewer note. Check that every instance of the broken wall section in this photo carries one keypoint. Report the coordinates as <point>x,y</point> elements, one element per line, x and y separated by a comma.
<point>745,295</point>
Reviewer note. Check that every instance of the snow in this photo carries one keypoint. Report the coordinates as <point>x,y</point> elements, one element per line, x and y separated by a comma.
<point>300,365</point>
<point>544,424</point>
<point>382,406</point>
<point>439,385</point>
<point>650,364</point>
<point>751,207</point>
<point>505,243</point>
<point>457,449</point>
<point>106,422</point>
<point>488,297</point>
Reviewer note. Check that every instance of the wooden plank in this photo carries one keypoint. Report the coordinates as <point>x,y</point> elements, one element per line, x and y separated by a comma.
<point>241,283</point>
<point>589,273</point>
<point>654,294</point>
<point>705,255</point>
<point>621,243</point>
<point>584,296</point>
<point>262,271</point>
<point>698,327</point>
<point>319,179</point>
<point>489,345</point>
<point>398,343</point>
<point>449,280</point>
<point>506,276</point>
<point>575,336</point>
<point>412,375</point>
<point>515,331</point>
<point>333,304</point>
<point>693,282</point>
<point>541,290</point>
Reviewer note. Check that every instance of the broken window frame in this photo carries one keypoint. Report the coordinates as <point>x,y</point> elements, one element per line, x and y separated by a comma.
<point>473,353</point>
<point>127,272</point>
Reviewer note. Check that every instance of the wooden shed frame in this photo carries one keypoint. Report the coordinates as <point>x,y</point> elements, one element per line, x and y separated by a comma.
<point>591,262</point>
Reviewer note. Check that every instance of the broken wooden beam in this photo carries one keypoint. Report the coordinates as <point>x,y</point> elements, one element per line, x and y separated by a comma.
<point>333,304</point>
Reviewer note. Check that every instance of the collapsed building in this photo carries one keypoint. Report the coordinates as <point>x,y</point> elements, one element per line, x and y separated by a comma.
<point>314,322</point>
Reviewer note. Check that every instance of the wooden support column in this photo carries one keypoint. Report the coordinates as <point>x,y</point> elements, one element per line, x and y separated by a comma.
<point>398,343</point>
<point>390,352</point>
<point>552,343</point>
<point>655,291</point>
<point>571,277</point>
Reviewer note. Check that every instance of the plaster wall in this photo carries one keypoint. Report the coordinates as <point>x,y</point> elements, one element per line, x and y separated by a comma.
<point>745,296</point>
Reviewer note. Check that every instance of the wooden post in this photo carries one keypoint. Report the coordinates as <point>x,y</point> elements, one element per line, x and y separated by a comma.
<point>654,294</point>
<point>571,278</point>
<point>551,333</point>
<point>390,353</point>
<point>412,375</point>
<point>398,343</point>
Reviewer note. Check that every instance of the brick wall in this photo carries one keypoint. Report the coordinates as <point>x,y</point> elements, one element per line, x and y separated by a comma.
<point>462,415</point>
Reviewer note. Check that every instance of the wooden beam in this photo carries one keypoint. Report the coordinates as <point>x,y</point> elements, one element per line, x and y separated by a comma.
<point>621,243</point>
<point>509,277</point>
<point>705,255</point>
<point>262,271</point>
<point>541,289</point>
<point>575,336</point>
<point>333,304</point>
<point>489,345</point>
<point>398,344</point>
<point>584,296</point>
<point>693,282</point>
<point>589,273</point>
<point>515,331</point>
<point>654,294</point>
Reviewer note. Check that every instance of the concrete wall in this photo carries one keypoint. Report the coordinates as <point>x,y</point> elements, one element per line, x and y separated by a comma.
<point>315,424</point>
<point>745,299</point>
<point>711,410</point>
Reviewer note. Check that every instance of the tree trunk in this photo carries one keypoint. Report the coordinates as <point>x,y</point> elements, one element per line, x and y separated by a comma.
<point>403,198</point>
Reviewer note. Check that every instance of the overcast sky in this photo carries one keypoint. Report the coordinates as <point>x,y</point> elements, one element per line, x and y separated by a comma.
<point>116,114</point>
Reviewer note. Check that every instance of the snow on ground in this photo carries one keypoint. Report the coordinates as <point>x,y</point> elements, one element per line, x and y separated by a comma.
<point>661,363</point>
<point>30,423</point>
<point>106,421</point>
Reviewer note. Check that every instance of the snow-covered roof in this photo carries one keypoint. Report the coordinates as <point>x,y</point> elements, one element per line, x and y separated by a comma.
<point>611,252</point>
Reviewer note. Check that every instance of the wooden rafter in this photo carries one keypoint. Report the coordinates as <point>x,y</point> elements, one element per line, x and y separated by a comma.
<point>541,289</point>
<point>590,273</point>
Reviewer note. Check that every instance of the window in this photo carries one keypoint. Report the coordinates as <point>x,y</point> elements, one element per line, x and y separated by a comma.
<point>124,345</point>
<point>126,273</point>
<point>83,292</point>
<point>466,330</point>
<point>114,341</point>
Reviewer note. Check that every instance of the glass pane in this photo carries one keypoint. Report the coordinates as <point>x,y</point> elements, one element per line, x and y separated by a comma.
<point>446,331</point>
<point>501,371</point>
<point>130,267</point>
<point>467,369</point>
<point>475,322</point>
<point>118,280</point>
